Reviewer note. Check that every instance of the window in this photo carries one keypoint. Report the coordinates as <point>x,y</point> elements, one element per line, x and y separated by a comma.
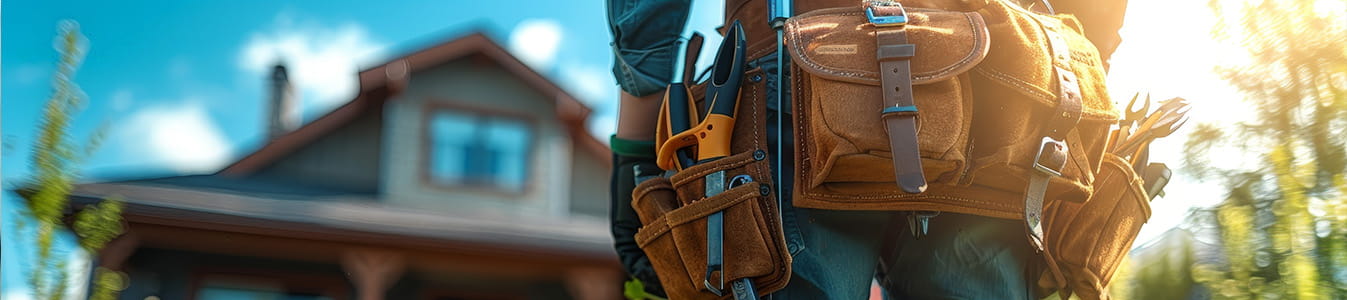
<point>479,150</point>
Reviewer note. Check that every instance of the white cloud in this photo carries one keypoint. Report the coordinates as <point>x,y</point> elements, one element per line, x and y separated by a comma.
<point>182,137</point>
<point>322,61</point>
<point>595,86</point>
<point>592,84</point>
<point>535,41</point>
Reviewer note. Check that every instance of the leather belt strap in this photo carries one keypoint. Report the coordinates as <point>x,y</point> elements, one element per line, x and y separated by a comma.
<point>900,111</point>
<point>1052,151</point>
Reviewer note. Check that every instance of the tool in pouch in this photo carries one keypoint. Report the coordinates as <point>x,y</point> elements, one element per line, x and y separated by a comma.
<point>711,138</point>
<point>1135,145</point>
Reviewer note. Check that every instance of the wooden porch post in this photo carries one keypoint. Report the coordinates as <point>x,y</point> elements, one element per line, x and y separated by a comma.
<point>113,255</point>
<point>372,271</point>
<point>594,283</point>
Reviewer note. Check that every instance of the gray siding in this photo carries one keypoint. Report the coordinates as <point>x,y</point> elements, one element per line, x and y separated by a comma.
<point>347,157</point>
<point>480,84</point>
<point>589,186</point>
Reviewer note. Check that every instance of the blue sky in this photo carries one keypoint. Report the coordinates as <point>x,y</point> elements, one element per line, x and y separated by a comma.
<point>179,82</point>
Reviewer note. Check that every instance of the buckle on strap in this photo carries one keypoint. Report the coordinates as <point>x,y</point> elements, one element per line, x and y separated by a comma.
<point>891,13</point>
<point>1051,157</point>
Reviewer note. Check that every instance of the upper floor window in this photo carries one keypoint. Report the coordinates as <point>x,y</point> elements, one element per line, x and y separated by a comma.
<point>476,149</point>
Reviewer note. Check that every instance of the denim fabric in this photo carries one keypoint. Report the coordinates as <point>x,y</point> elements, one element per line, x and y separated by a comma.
<point>962,257</point>
<point>645,42</point>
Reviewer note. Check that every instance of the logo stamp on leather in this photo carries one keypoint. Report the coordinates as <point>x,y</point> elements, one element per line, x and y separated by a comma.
<point>835,49</point>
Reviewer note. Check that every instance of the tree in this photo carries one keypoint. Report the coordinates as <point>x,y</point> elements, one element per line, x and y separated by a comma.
<point>55,161</point>
<point>1283,225</point>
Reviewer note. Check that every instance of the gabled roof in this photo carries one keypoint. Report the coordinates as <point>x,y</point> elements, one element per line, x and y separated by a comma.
<point>382,82</point>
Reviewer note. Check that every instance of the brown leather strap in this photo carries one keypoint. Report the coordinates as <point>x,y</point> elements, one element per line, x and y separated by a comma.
<point>900,111</point>
<point>694,50</point>
<point>1053,152</point>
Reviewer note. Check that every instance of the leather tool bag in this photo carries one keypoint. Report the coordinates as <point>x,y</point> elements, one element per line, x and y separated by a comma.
<point>985,85</point>
<point>1087,240</point>
<point>1009,111</point>
<point>674,212</point>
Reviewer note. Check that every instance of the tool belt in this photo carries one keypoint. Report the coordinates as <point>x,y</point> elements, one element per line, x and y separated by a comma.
<point>712,230</point>
<point>980,108</point>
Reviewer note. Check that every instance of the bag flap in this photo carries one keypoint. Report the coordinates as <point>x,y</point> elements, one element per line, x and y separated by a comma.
<point>839,44</point>
<point>1023,60</point>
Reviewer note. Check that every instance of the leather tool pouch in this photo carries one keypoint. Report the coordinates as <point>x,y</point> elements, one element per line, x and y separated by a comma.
<point>842,147</point>
<point>674,212</point>
<point>1086,241</point>
<point>984,84</point>
<point>989,81</point>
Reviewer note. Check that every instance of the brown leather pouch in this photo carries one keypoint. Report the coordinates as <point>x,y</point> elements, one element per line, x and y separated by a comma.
<point>842,149</point>
<point>1018,89</point>
<point>985,81</point>
<point>674,212</point>
<point>676,240</point>
<point>1085,241</point>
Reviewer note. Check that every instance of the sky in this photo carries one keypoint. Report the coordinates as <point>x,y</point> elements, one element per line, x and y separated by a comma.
<point>179,83</point>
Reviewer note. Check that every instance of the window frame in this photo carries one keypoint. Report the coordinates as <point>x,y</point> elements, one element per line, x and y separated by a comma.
<point>427,146</point>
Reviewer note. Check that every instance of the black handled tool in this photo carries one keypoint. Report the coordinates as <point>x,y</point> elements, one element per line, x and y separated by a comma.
<point>1155,178</point>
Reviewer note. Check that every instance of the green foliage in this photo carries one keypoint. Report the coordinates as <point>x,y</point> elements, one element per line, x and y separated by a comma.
<point>1283,226</point>
<point>634,289</point>
<point>55,161</point>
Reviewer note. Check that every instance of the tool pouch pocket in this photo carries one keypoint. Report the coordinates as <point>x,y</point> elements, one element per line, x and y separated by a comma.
<point>1085,241</point>
<point>843,151</point>
<point>675,220</point>
<point>1019,86</point>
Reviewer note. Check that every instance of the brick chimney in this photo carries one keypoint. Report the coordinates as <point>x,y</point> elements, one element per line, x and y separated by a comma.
<point>284,113</point>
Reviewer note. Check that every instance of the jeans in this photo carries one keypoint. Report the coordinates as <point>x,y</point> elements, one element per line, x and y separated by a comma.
<point>835,253</point>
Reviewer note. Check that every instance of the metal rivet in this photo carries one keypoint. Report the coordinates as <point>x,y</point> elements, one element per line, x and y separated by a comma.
<point>759,155</point>
<point>756,78</point>
<point>764,189</point>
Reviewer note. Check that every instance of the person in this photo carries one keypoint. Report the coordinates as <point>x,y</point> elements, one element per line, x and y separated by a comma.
<point>836,254</point>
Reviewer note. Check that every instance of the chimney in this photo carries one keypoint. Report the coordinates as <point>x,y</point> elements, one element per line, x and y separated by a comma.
<point>283,115</point>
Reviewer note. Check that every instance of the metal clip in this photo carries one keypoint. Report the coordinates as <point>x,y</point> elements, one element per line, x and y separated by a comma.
<point>899,19</point>
<point>920,223</point>
<point>1051,157</point>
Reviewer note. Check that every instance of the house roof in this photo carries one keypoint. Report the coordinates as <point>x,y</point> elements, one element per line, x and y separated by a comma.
<point>381,83</point>
<point>214,203</point>
<point>230,201</point>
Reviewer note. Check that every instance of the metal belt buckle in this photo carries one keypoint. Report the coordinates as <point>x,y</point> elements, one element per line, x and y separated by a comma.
<point>1051,157</point>
<point>899,19</point>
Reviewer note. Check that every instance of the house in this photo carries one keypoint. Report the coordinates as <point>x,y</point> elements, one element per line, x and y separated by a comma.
<point>457,172</point>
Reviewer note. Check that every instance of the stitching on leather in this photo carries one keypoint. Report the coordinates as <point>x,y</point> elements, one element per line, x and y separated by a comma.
<point>737,160</point>
<point>736,200</point>
<point>1026,87</point>
<point>977,42</point>
<point>648,188</point>
<point>874,76</point>
<point>799,49</point>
